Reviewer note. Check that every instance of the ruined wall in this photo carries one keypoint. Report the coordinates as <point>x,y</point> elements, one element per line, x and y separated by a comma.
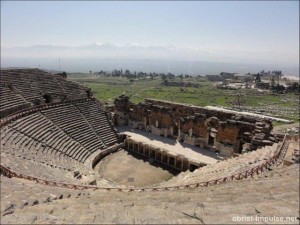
<point>220,131</point>
<point>160,117</point>
<point>122,107</point>
<point>228,134</point>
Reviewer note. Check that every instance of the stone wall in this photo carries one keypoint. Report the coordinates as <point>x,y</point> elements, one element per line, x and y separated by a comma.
<point>225,132</point>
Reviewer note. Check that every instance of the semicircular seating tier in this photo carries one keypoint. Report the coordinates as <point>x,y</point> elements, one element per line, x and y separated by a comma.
<point>25,87</point>
<point>51,142</point>
<point>73,130</point>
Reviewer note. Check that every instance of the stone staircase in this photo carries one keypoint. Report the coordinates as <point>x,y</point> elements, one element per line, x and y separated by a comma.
<point>10,102</point>
<point>95,115</point>
<point>72,122</point>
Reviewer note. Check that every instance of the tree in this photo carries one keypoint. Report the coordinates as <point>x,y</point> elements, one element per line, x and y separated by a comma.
<point>64,74</point>
<point>279,88</point>
<point>272,82</point>
<point>127,73</point>
<point>257,78</point>
<point>294,87</point>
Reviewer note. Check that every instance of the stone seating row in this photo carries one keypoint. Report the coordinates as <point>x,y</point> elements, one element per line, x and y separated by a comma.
<point>46,156</point>
<point>24,85</point>
<point>33,84</point>
<point>69,119</point>
<point>21,140</point>
<point>214,205</point>
<point>37,127</point>
<point>65,130</point>
<point>10,102</point>
<point>224,168</point>
<point>19,194</point>
<point>71,88</point>
<point>36,169</point>
<point>51,160</point>
<point>95,115</point>
<point>8,98</point>
<point>33,150</point>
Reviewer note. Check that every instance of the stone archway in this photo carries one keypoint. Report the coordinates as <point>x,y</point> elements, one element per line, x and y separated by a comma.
<point>211,140</point>
<point>48,98</point>
<point>212,125</point>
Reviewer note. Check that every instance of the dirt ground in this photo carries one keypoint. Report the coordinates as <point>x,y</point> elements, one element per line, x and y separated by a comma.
<point>283,127</point>
<point>124,168</point>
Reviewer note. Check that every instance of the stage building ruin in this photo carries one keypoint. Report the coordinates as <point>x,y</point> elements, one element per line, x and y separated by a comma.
<point>222,132</point>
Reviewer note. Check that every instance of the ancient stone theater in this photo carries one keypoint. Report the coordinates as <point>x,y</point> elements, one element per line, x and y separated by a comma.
<point>224,133</point>
<point>60,149</point>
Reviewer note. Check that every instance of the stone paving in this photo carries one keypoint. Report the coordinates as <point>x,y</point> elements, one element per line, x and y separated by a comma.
<point>191,152</point>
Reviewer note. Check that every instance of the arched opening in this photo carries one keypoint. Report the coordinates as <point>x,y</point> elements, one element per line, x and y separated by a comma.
<point>88,93</point>
<point>158,156</point>
<point>165,159</point>
<point>172,161</point>
<point>178,164</point>
<point>193,167</point>
<point>211,140</point>
<point>141,151</point>
<point>36,101</point>
<point>175,130</point>
<point>48,98</point>
<point>152,154</point>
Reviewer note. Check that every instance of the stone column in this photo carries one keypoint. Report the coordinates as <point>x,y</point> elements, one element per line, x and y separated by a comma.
<point>207,137</point>
<point>178,136</point>
<point>237,147</point>
<point>181,164</point>
<point>144,149</point>
<point>155,154</point>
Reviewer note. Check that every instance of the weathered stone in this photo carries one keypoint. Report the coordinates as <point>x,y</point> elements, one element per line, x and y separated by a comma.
<point>53,197</point>
<point>7,212</point>
<point>23,204</point>
<point>76,173</point>
<point>229,129</point>
<point>66,195</point>
<point>93,182</point>
<point>47,200</point>
<point>10,206</point>
<point>34,202</point>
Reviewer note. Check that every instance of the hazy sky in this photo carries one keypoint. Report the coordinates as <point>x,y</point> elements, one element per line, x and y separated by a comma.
<point>271,26</point>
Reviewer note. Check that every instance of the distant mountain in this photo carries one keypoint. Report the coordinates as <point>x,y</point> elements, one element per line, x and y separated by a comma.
<point>135,57</point>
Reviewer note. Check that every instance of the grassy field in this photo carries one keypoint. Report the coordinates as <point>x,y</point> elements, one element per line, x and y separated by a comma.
<point>106,89</point>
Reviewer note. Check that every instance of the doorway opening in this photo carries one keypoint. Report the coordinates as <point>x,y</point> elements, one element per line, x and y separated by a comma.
<point>48,98</point>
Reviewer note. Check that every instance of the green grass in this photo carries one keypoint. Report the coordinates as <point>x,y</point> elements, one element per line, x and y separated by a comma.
<point>107,89</point>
